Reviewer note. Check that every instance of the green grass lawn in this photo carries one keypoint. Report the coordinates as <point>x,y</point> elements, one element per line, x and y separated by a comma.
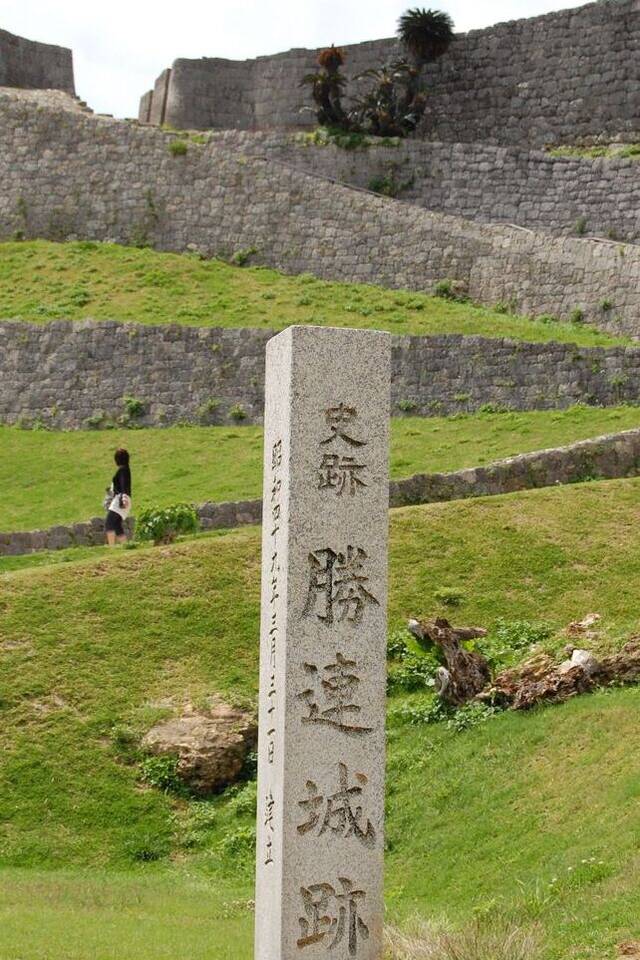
<point>95,650</point>
<point>59,477</point>
<point>42,281</point>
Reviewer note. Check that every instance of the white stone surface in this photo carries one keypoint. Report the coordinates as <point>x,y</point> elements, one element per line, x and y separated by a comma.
<point>323,646</point>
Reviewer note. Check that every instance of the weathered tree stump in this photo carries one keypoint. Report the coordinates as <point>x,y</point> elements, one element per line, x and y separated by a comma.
<point>465,672</point>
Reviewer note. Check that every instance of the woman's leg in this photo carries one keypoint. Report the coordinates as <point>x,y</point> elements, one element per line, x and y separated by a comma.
<point>111,537</point>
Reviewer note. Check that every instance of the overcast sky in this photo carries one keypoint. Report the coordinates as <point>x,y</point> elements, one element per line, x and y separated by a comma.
<point>120,46</point>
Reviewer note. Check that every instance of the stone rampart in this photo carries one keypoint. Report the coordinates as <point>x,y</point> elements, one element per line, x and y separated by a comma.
<point>603,458</point>
<point>27,63</point>
<point>102,179</point>
<point>562,77</point>
<point>79,375</point>
<point>567,195</point>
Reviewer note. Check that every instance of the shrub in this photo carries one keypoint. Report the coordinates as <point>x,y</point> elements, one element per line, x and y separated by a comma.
<point>577,315</point>
<point>397,647</point>
<point>241,257</point>
<point>416,672</point>
<point>237,412</point>
<point>163,525</point>
<point>133,407</point>
<point>162,773</point>
<point>508,639</point>
<point>407,405</point>
<point>580,226</point>
<point>450,290</point>
<point>207,410</point>
<point>178,148</point>
<point>606,305</point>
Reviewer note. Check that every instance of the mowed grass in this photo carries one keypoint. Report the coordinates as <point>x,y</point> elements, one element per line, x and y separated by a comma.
<point>94,651</point>
<point>60,477</point>
<point>42,281</point>
<point>126,916</point>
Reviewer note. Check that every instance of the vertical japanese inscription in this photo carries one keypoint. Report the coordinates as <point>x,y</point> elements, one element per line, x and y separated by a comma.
<point>274,521</point>
<point>321,756</point>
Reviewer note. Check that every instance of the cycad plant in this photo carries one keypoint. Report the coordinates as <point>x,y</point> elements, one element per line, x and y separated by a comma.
<point>393,104</point>
<point>327,86</point>
<point>426,34</point>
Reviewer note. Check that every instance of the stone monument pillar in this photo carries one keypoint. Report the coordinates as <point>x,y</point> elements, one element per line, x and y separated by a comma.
<point>323,646</point>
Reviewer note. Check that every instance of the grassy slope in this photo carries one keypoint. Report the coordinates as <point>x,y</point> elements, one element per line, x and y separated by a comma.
<point>91,649</point>
<point>41,281</point>
<point>61,476</point>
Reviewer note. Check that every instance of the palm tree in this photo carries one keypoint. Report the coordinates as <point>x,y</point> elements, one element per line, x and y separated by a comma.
<point>426,34</point>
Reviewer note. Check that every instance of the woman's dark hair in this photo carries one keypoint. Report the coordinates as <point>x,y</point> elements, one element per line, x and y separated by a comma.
<point>122,457</point>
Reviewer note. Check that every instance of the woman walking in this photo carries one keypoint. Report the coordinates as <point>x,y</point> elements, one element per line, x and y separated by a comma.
<point>118,500</point>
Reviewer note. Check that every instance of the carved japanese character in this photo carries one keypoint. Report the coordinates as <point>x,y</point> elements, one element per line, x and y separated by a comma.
<point>338,580</point>
<point>330,699</point>
<point>340,474</point>
<point>338,811</point>
<point>332,914</point>
<point>338,420</point>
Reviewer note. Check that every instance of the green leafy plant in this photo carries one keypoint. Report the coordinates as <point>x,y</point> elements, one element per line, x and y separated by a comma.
<point>237,412</point>
<point>580,226</point>
<point>577,315</point>
<point>471,715</point>
<point>407,405</point>
<point>415,672</point>
<point>429,710</point>
<point>133,407</point>
<point>164,524</point>
<point>450,290</point>
<point>178,148</point>
<point>397,645</point>
<point>208,410</point>
<point>394,102</point>
<point>241,257</point>
<point>509,639</point>
<point>162,773</point>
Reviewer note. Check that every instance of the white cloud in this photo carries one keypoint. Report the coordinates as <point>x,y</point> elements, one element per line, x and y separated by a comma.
<point>121,46</point>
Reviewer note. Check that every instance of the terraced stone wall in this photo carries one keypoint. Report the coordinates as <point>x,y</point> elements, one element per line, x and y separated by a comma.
<point>565,195</point>
<point>75,375</point>
<point>102,179</point>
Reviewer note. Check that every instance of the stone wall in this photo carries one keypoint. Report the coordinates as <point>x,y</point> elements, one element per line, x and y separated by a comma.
<point>530,188</point>
<point>26,63</point>
<point>607,457</point>
<point>78,375</point>
<point>561,77</point>
<point>97,178</point>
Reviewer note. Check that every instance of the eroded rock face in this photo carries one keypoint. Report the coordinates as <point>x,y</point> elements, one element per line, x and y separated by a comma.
<point>211,747</point>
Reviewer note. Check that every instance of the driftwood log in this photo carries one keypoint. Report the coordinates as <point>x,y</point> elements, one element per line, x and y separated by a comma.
<point>540,680</point>
<point>465,673</point>
<point>466,676</point>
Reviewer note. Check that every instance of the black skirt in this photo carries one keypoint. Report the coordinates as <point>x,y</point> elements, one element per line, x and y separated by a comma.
<point>113,523</point>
